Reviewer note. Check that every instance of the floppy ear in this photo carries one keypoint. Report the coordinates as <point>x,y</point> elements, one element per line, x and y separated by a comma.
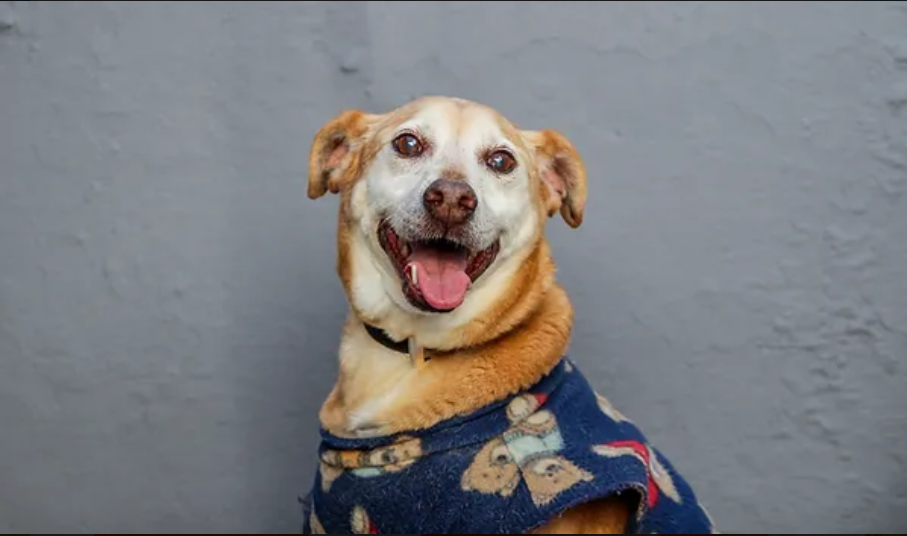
<point>563,173</point>
<point>335,150</point>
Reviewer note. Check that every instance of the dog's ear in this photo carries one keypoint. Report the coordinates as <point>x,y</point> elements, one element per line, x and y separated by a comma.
<point>562,172</point>
<point>336,152</point>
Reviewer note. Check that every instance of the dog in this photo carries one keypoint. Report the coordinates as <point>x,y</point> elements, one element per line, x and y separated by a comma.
<point>456,409</point>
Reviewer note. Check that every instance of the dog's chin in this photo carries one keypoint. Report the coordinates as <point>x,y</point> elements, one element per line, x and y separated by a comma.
<point>435,273</point>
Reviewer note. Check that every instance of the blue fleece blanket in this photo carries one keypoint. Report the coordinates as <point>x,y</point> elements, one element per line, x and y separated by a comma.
<point>506,469</point>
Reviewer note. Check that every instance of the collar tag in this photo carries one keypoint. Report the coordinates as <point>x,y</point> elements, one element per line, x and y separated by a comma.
<point>416,352</point>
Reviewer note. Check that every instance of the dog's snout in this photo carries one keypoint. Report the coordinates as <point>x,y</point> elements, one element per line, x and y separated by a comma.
<point>450,201</point>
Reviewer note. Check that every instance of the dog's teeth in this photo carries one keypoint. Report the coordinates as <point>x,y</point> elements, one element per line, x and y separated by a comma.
<point>413,274</point>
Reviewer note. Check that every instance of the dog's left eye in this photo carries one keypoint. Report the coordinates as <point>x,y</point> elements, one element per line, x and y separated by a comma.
<point>500,161</point>
<point>408,145</point>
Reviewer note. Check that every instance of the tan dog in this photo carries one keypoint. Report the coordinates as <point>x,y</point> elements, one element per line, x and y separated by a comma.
<point>440,242</point>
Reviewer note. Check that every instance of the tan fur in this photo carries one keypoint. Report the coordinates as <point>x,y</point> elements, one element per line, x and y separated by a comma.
<point>458,382</point>
<point>519,329</point>
<point>606,516</point>
<point>565,191</point>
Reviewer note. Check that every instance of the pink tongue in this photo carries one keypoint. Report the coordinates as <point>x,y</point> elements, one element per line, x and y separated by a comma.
<point>440,276</point>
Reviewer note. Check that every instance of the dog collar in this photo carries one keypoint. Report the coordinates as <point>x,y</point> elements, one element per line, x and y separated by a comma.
<point>407,347</point>
<point>383,339</point>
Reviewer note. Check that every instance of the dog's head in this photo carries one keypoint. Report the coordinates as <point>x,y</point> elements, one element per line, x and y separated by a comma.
<point>442,200</point>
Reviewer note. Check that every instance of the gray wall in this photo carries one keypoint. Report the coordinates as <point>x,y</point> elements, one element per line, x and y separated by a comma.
<point>168,306</point>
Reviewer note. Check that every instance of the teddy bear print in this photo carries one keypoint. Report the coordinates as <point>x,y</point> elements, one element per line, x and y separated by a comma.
<point>492,471</point>
<point>530,451</point>
<point>330,469</point>
<point>366,464</point>
<point>523,406</point>
<point>360,523</point>
<point>549,476</point>
<point>609,409</point>
<point>390,459</point>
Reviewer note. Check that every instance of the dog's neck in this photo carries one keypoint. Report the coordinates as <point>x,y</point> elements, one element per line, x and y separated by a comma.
<point>382,390</point>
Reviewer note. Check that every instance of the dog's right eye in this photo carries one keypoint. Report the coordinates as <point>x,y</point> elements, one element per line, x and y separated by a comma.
<point>408,145</point>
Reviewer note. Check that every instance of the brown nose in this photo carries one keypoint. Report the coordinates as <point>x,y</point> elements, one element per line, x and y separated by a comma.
<point>450,201</point>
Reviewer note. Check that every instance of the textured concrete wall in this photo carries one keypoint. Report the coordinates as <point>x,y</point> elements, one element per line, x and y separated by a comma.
<point>169,311</point>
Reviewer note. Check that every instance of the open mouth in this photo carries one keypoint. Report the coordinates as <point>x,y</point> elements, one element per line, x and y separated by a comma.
<point>436,273</point>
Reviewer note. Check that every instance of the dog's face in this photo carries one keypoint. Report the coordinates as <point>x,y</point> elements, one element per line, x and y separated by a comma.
<point>442,199</point>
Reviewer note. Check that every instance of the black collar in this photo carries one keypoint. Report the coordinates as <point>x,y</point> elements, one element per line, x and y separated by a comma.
<point>381,337</point>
